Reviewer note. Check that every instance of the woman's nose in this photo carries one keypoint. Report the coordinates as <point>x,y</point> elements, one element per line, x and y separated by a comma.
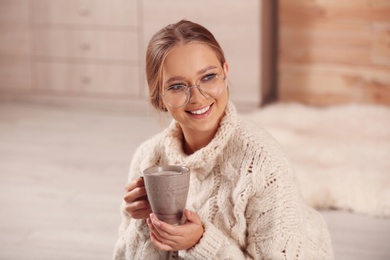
<point>196,94</point>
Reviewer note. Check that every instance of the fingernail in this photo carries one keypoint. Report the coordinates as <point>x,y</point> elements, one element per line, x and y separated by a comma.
<point>156,222</point>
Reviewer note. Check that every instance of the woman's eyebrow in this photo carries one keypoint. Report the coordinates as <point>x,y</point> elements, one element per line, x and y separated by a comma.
<point>179,78</point>
<point>206,69</point>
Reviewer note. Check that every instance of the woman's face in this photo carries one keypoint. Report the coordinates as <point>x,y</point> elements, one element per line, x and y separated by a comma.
<point>188,64</point>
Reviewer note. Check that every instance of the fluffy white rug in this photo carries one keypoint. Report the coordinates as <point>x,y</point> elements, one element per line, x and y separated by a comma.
<point>341,154</point>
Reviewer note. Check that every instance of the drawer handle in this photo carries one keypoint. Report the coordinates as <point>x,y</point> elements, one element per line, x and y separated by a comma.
<point>85,79</point>
<point>85,46</point>
<point>84,11</point>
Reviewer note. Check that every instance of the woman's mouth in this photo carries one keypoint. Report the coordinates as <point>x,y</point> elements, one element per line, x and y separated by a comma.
<point>200,111</point>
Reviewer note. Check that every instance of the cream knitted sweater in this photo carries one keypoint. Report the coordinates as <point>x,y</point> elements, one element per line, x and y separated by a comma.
<point>245,192</point>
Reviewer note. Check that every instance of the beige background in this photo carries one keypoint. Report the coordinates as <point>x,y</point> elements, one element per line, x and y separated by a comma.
<point>96,48</point>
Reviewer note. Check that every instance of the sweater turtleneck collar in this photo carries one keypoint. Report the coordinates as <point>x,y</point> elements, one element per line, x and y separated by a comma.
<point>204,160</point>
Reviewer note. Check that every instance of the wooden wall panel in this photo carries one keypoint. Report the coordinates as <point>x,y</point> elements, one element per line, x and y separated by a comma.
<point>333,51</point>
<point>325,85</point>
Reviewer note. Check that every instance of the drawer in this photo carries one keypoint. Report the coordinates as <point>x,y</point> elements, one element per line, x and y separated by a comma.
<point>14,41</point>
<point>59,43</point>
<point>14,12</point>
<point>15,74</point>
<point>87,79</point>
<point>85,12</point>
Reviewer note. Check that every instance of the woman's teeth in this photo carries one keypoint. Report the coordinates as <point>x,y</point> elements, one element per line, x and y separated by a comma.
<point>200,111</point>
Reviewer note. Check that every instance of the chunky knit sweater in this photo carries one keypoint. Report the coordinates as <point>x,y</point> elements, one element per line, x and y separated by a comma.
<point>245,192</point>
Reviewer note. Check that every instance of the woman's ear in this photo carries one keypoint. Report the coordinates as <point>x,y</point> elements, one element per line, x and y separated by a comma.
<point>226,68</point>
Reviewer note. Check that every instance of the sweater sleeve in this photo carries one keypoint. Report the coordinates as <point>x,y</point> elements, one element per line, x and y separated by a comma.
<point>134,240</point>
<point>280,224</point>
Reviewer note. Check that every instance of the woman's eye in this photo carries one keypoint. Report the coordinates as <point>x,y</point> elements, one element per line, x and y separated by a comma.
<point>177,87</point>
<point>209,77</point>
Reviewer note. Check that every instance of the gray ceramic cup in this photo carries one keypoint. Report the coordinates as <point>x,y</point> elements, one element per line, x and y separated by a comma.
<point>167,190</point>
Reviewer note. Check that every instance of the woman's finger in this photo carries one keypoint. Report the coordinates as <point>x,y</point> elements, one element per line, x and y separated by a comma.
<point>159,244</point>
<point>166,230</point>
<point>137,205</point>
<point>135,194</point>
<point>138,182</point>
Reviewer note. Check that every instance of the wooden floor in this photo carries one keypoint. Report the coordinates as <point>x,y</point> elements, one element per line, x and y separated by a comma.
<point>62,172</point>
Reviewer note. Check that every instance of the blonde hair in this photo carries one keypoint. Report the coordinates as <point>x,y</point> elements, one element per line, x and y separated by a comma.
<point>162,42</point>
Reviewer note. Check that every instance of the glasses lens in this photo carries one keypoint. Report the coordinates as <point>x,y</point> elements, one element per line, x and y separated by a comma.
<point>212,85</point>
<point>176,96</point>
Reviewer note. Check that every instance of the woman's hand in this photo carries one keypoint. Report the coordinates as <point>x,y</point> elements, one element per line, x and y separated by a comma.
<point>137,204</point>
<point>172,238</point>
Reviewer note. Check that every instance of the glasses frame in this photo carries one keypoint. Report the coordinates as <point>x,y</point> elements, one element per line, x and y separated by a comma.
<point>200,90</point>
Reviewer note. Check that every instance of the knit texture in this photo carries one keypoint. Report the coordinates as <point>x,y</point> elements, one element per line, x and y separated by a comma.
<point>245,192</point>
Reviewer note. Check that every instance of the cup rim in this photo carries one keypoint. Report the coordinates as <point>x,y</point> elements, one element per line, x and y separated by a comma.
<point>163,168</point>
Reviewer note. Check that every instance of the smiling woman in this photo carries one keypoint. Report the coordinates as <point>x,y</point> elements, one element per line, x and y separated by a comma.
<point>243,200</point>
<point>200,113</point>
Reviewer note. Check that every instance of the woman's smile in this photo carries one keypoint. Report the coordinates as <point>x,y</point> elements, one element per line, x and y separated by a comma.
<point>200,113</point>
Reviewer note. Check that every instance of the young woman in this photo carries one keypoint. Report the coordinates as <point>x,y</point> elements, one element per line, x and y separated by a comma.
<point>244,202</point>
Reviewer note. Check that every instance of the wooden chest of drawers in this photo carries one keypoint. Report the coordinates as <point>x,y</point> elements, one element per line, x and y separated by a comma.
<point>15,47</point>
<point>74,47</point>
<point>86,47</point>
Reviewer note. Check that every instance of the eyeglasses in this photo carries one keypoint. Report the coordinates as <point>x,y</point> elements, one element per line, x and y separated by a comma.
<point>210,86</point>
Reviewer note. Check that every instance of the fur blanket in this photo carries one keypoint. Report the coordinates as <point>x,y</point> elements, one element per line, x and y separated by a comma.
<point>341,154</point>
